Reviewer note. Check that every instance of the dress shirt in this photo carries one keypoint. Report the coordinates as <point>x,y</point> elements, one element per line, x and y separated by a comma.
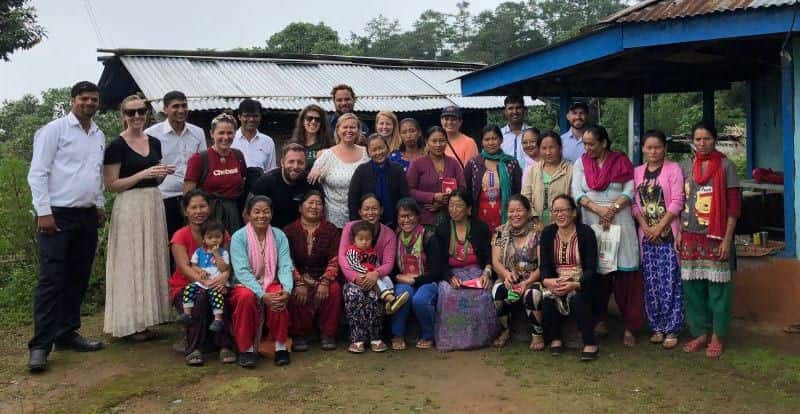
<point>258,152</point>
<point>176,149</point>
<point>571,146</point>
<point>67,166</point>
<point>512,145</point>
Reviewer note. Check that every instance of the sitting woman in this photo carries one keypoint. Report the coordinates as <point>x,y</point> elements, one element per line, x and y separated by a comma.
<point>314,244</point>
<point>185,241</point>
<point>418,271</point>
<point>568,269</point>
<point>362,304</point>
<point>263,276</point>
<point>466,316</point>
<point>515,259</point>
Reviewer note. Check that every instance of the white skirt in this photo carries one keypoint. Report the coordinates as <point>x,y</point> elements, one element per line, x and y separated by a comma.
<point>137,263</point>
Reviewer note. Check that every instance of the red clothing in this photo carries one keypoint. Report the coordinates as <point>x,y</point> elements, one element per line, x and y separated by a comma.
<point>245,307</point>
<point>225,180</point>
<point>328,312</point>
<point>489,212</point>
<point>183,237</point>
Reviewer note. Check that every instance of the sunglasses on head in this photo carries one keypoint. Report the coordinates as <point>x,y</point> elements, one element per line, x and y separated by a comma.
<point>137,111</point>
<point>309,118</point>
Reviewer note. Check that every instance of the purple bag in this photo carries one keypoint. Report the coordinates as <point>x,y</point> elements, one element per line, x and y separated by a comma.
<point>465,318</point>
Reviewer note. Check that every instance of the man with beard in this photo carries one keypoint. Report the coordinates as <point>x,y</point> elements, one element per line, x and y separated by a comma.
<point>179,141</point>
<point>344,100</point>
<point>572,140</point>
<point>66,180</point>
<point>286,185</point>
<point>514,113</point>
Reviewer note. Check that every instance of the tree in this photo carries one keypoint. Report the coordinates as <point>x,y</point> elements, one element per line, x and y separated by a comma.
<point>18,27</point>
<point>507,32</point>
<point>562,19</point>
<point>306,38</point>
<point>461,32</point>
<point>431,31</point>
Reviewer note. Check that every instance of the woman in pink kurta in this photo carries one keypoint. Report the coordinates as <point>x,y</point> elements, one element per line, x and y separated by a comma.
<point>658,201</point>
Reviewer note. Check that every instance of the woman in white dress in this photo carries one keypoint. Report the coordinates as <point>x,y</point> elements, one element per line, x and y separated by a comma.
<point>335,166</point>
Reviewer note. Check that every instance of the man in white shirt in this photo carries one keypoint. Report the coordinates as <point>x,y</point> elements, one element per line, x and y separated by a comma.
<point>514,113</point>
<point>572,140</point>
<point>179,141</point>
<point>258,148</point>
<point>66,180</point>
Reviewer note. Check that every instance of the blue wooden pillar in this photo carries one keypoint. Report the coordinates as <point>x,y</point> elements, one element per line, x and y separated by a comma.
<point>563,108</point>
<point>749,124</point>
<point>708,106</point>
<point>787,105</point>
<point>636,129</point>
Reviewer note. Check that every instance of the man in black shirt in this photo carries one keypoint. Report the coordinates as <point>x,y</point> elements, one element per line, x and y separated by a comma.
<point>286,185</point>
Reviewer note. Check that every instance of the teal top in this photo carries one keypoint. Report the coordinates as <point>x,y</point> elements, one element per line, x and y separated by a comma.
<point>242,270</point>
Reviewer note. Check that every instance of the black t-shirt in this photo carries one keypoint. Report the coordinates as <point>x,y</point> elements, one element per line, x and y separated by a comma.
<point>285,198</point>
<point>131,162</point>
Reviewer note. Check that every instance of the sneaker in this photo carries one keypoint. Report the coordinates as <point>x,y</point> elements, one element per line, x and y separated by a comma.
<point>398,302</point>
<point>216,326</point>
<point>248,359</point>
<point>282,358</point>
<point>299,344</point>
<point>328,343</point>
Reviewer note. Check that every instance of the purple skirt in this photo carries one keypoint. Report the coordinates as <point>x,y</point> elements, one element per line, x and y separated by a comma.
<point>465,318</point>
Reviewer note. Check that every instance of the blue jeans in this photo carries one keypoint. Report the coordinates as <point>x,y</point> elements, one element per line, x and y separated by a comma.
<point>423,301</point>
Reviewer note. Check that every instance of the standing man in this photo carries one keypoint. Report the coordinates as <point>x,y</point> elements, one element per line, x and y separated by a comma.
<point>572,140</point>
<point>285,186</point>
<point>344,100</point>
<point>514,113</point>
<point>258,148</point>
<point>66,180</point>
<point>179,141</point>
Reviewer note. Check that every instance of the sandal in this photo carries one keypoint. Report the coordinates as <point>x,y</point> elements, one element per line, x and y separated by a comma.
<point>671,341</point>
<point>714,349</point>
<point>656,338</point>
<point>537,343</point>
<point>502,340</point>
<point>601,330</point>
<point>424,344</point>
<point>142,336</point>
<point>792,329</point>
<point>194,359</point>
<point>356,348</point>
<point>695,344</point>
<point>378,346</point>
<point>226,356</point>
<point>398,344</point>
<point>555,350</point>
<point>628,340</point>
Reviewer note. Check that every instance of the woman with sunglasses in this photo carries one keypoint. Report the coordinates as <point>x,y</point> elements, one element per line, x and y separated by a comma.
<point>311,131</point>
<point>137,259</point>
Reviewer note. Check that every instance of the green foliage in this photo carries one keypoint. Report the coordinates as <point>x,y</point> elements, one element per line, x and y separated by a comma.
<point>18,27</point>
<point>16,212</point>
<point>562,19</point>
<point>16,294</point>
<point>511,25</point>
<point>306,38</point>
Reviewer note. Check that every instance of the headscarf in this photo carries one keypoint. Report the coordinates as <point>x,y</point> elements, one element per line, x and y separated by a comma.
<point>617,168</point>
<point>719,215</point>
<point>505,180</point>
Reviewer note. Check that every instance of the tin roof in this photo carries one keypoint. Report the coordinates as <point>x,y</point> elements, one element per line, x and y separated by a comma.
<point>657,10</point>
<point>219,80</point>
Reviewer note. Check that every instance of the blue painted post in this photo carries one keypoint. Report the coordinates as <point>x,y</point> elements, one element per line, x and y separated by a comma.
<point>749,123</point>
<point>637,129</point>
<point>787,132</point>
<point>708,106</point>
<point>563,107</point>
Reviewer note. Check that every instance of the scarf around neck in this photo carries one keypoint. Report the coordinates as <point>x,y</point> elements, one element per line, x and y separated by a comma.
<point>381,172</point>
<point>617,168</point>
<point>505,180</point>
<point>263,264</point>
<point>410,245</point>
<point>716,174</point>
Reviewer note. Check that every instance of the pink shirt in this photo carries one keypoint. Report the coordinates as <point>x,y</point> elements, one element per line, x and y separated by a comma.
<point>671,182</point>
<point>386,247</point>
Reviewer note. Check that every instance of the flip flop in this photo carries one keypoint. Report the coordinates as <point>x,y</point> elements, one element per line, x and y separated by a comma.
<point>792,329</point>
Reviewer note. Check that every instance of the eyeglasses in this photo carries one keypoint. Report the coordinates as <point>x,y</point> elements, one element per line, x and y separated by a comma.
<point>557,211</point>
<point>312,119</point>
<point>138,111</point>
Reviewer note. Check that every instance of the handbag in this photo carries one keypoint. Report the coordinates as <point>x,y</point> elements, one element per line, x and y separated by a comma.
<point>607,247</point>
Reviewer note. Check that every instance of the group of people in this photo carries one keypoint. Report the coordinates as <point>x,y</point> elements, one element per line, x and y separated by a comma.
<point>265,246</point>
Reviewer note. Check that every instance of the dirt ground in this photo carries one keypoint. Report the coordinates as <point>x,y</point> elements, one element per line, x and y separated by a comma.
<point>760,372</point>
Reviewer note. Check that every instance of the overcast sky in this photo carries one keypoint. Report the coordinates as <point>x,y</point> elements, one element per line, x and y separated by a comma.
<point>68,54</point>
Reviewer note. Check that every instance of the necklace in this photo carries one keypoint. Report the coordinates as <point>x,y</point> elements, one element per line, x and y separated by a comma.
<point>262,244</point>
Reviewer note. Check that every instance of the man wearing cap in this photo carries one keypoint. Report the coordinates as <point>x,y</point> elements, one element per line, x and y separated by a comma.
<point>344,100</point>
<point>179,141</point>
<point>463,145</point>
<point>514,113</point>
<point>572,140</point>
<point>258,149</point>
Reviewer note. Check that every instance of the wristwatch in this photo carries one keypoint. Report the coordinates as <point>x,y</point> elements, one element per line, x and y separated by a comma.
<point>617,206</point>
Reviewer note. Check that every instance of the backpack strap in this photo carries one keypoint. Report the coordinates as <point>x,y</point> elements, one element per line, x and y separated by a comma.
<point>204,171</point>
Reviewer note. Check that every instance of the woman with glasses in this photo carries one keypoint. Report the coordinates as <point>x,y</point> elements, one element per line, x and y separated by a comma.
<point>550,177</point>
<point>311,131</point>
<point>137,260</point>
<point>568,268</point>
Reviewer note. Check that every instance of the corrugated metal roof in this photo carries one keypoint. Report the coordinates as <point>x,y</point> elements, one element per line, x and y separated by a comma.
<point>214,83</point>
<point>656,10</point>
